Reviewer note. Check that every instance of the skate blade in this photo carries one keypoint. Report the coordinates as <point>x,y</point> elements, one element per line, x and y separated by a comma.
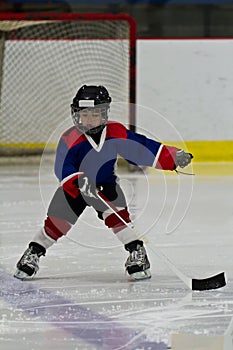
<point>22,275</point>
<point>141,275</point>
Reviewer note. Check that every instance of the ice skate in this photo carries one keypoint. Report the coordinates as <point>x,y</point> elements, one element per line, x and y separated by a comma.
<point>137,265</point>
<point>28,265</point>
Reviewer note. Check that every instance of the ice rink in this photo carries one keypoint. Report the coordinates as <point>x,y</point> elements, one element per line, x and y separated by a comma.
<point>81,298</point>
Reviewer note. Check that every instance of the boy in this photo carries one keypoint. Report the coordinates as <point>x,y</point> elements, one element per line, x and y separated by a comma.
<point>85,160</point>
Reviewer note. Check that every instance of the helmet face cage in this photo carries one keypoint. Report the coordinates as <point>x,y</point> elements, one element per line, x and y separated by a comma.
<point>91,98</point>
<point>75,113</point>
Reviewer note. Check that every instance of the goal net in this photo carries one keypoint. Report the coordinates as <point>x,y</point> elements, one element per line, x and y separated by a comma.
<point>45,58</point>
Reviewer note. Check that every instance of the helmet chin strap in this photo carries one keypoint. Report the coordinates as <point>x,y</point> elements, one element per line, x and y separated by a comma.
<point>95,130</point>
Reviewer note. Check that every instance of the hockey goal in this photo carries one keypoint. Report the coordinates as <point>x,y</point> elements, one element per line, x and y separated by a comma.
<point>45,58</point>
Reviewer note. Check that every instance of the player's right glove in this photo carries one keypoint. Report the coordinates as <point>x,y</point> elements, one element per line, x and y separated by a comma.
<point>182,159</point>
<point>78,183</point>
<point>86,187</point>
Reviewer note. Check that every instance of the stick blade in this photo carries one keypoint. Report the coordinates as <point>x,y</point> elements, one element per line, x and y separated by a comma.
<point>213,282</point>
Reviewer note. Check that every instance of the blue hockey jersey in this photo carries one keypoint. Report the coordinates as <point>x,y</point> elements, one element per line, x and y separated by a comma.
<point>77,153</point>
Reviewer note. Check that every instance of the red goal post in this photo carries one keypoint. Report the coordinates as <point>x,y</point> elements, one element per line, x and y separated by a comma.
<point>45,58</point>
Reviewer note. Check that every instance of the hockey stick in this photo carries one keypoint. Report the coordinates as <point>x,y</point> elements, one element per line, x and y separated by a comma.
<point>213,282</point>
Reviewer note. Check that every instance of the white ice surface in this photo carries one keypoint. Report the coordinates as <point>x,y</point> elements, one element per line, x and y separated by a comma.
<point>81,298</point>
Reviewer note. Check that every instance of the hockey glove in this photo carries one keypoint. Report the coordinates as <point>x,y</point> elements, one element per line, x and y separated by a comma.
<point>86,187</point>
<point>182,159</point>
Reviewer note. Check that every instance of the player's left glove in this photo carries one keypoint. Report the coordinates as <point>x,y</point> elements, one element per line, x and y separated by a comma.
<point>182,159</point>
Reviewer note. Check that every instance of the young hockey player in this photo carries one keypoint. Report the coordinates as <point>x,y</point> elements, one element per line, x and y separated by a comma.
<point>85,160</point>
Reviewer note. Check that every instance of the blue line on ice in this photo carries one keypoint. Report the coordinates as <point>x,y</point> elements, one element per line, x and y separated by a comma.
<point>81,322</point>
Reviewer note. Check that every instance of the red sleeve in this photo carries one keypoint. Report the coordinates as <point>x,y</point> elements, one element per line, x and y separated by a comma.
<point>116,130</point>
<point>166,159</point>
<point>69,186</point>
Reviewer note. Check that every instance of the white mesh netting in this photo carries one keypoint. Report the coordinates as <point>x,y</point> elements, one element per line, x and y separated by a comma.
<point>44,63</point>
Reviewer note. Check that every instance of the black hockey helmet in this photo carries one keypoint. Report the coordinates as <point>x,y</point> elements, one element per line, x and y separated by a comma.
<point>91,97</point>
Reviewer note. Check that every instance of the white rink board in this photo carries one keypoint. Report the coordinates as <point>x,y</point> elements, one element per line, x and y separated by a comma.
<point>189,82</point>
